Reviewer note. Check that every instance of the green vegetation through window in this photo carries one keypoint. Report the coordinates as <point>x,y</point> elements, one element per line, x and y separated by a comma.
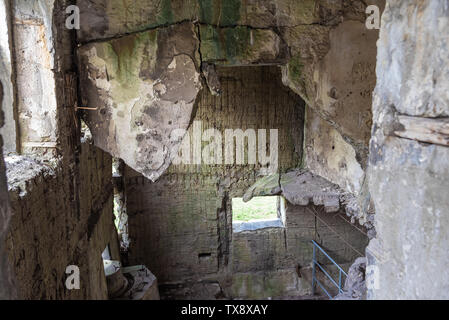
<point>257,209</point>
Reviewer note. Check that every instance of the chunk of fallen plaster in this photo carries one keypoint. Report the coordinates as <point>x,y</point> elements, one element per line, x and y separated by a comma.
<point>299,187</point>
<point>144,86</point>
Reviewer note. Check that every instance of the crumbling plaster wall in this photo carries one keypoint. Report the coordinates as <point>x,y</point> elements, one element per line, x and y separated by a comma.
<point>34,72</point>
<point>327,53</point>
<point>9,128</point>
<point>144,86</point>
<point>338,125</point>
<point>329,155</point>
<point>61,191</point>
<point>47,235</point>
<point>7,286</point>
<point>181,225</point>
<point>409,179</point>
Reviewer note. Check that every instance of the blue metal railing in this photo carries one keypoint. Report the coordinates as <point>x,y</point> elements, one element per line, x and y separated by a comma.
<point>315,281</point>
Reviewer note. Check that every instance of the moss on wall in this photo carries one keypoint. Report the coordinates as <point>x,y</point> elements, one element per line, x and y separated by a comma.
<point>221,13</point>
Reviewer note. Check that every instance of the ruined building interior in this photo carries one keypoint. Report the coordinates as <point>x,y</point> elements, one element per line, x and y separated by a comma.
<point>132,131</point>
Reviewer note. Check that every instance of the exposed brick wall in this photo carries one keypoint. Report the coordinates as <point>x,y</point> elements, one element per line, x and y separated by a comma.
<point>47,235</point>
<point>64,215</point>
<point>276,262</point>
<point>179,226</point>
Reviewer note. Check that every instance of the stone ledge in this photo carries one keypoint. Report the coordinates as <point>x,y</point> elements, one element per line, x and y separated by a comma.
<point>253,225</point>
<point>301,187</point>
<point>23,172</point>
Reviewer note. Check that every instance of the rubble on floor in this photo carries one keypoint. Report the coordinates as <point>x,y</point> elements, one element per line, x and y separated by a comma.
<point>355,285</point>
<point>143,284</point>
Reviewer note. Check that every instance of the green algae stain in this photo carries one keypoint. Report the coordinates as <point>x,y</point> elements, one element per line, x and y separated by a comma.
<point>211,48</point>
<point>124,59</point>
<point>237,43</point>
<point>295,71</point>
<point>226,45</point>
<point>220,12</point>
<point>304,11</point>
<point>166,16</point>
<point>230,12</point>
<point>206,10</point>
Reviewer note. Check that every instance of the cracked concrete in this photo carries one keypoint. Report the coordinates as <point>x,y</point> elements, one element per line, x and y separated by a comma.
<point>314,41</point>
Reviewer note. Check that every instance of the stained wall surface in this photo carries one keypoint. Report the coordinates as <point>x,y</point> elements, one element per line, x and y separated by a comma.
<point>9,128</point>
<point>408,177</point>
<point>7,286</point>
<point>181,225</point>
<point>47,235</point>
<point>326,52</point>
<point>60,189</point>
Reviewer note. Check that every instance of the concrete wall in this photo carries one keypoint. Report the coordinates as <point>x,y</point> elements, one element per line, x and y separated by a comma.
<point>327,154</point>
<point>7,287</point>
<point>181,225</point>
<point>35,61</point>
<point>326,52</point>
<point>9,129</point>
<point>338,126</point>
<point>61,191</point>
<point>409,179</point>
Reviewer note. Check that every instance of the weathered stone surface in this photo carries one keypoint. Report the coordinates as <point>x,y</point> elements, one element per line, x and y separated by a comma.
<point>327,52</point>
<point>46,236</point>
<point>212,79</point>
<point>187,240</point>
<point>332,67</point>
<point>240,226</point>
<point>108,18</point>
<point>8,131</point>
<point>334,71</point>
<point>355,285</point>
<point>302,188</point>
<point>409,180</point>
<point>299,187</point>
<point>421,57</point>
<point>102,19</point>
<point>7,287</point>
<point>144,86</point>
<point>241,46</point>
<point>271,284</point>
<point>265,186</point>
<point>35,73</point>
<point>62,214</point>
<point>330,156</point>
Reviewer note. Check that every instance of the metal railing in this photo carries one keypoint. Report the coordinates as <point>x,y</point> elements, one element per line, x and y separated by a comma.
<point>315,281</point>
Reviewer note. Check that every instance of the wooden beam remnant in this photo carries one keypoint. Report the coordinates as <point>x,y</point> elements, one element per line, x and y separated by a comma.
<point>429,130</point>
